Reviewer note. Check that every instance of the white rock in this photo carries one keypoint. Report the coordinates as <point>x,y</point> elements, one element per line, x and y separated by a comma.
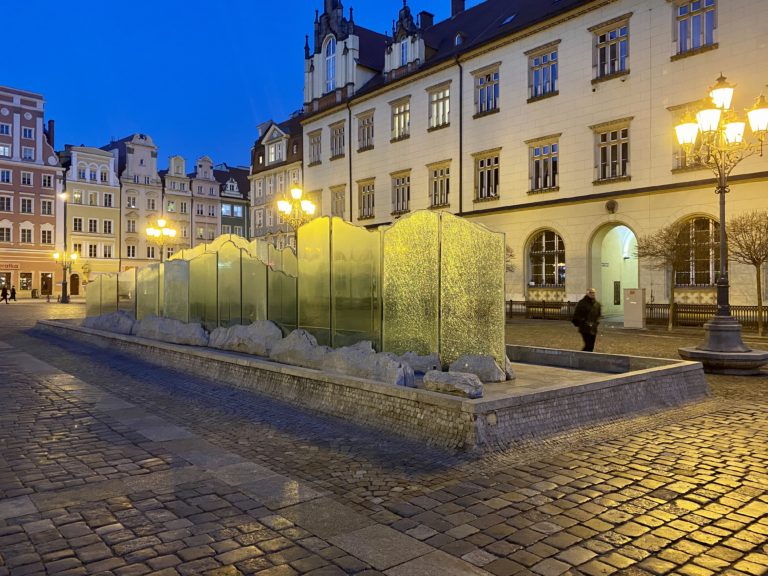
<point>454,383</point>
<point>482,365</point>
<point>300,349</point>
<point>257,338</point>
<point>170,330</point>
<point>361,361</point>
<point>421,364</point>
<point>119,322</point>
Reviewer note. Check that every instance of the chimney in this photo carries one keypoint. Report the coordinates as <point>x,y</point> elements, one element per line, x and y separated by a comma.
<point>456,7</point>
<point>426,19</point>
<point>50,132</point>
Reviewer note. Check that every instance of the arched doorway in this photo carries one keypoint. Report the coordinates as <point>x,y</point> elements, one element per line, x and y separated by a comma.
<point>614,266</point>
<point>74,285</point>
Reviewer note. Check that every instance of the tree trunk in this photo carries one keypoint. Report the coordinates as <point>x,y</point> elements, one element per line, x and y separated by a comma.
<point>759,301</point>
<point>670,323</point>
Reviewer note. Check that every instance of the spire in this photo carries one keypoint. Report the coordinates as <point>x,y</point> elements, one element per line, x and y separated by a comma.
<point>306,46</point>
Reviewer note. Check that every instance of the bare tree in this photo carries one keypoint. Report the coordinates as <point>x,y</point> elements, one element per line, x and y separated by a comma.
<point>665,250</point>
<point>748,244</point>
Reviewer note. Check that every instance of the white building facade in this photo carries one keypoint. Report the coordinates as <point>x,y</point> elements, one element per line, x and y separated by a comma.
<point>557,131</point>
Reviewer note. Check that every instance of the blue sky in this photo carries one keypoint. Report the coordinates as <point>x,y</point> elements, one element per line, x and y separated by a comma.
<point>198,77</point>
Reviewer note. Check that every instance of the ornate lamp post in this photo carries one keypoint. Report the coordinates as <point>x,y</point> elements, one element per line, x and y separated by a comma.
<point>297,210</point>
<point>716,139</point>
<point>66,259</point>
<point>161,235</point>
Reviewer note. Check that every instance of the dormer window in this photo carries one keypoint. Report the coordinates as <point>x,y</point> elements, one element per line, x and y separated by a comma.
<point>404,53</point>
<point>330,65</point>
<point>458,40</point>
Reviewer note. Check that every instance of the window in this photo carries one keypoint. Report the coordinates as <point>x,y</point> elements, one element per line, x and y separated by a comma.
<point>45,237</point>
<point>365,131</point>
<point>439,107</point>
<point>25,281</point>
<point>130,202</point>
<point>238,230</point>
<point>237,211</point>
<point>547,260</point>
<point>338,201</point>
<point>93,226</point>
<point>107,226</point>
<point>366,199</point>
<point>26,205</point>
<point>401,119</point>
<point>543,164</point>
<point>337,140</point>
<point>404,52</point>
<point>695,25</point>
<point>5,150</point>
<point>107,251</point>
<point>77,197</point>
<point>542,71</point>
<point>226,209</point>
<point>611,55</point>
<point>212,211</point>
<point>131,224</point>
<point>107,200</point>
<point>275,152</point>
<point>26,235</point>
<point>211,234</point>
<point>226,229</point>
<point>259,218</point>
<point>46,207</point>
<point>5,204</point>
<point>81,172</point>
<point>200,209</point>
<point>183,186</point>
<point>150,252</point>
<point>439,185</point>
<point>150,204</point>
<point>130,251</point>
<point>170,206</point>
<point>700,241</point>
<point>93,199</point>
<point>612,150</point>
<point>487,91</point>
<point>183,209</point>
<point>270,218</point>
<point>77,248</point>
<point>487,175</point>
<point>28,133</point>
<point>169,252</point>
<point>211,191</point>
<point>92,175</point>
<point>47,181</point>
<point>401,192</point>
<point>184,232</point>
<point>26,178</point>
<point>199,189</point>
<point>5,129</point>
<point>5,234</point>
<point>330,65</point>
<point>27,153</point>
<point>77,224</point>
<point>104,176</point>
<point>315,148</point>
<point>5,176</point>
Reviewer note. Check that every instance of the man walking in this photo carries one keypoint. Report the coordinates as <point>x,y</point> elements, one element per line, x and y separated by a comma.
<point>4,294</point>
<point>586,318</point>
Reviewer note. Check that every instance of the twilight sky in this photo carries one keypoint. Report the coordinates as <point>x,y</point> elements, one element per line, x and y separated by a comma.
<point>198,77</point>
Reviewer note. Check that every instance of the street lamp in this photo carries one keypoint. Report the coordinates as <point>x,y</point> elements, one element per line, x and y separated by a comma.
<point>716,139</point>
<point>296,210</point>
<point>66,259</point>
<point>161,235</point>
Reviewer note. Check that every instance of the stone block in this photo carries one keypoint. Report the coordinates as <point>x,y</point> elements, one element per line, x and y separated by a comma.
<point>257,338</point>
<point>481,365</point>
<point>170,330</point>
<point>455,383</point>
<point>300,348</point>
<point>421,364</point>
<point>119,322</point>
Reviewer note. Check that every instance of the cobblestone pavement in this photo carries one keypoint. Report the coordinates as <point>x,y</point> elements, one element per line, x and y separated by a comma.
<point>113,466</point>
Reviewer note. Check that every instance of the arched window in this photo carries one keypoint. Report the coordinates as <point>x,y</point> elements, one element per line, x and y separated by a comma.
<point>404,53</point>
<point>700,240</point>
<point>330,65</point>
<point>547,260</point>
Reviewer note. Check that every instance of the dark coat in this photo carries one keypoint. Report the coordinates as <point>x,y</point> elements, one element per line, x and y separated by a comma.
<point>587,315</point>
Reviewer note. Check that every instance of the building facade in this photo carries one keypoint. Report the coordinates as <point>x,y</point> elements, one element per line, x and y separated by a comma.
<point>92,206</point>
<point>235,199</point>
<point>31,219</point>
<point>551,123</point>
<point>140,198</point>
<point>206,219</point>
<point>177,202</point>
<point>276,166</point>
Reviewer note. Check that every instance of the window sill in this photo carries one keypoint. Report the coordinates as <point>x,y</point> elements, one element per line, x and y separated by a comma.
<point>399,138</point>
<point>371,217</point>
<point>440,127</point>
<point>694,52</point>
<point>612,76</point>
<point>486,113</point>
<point>611,180</point>
<point>364,149</point>
<point>487,199</point>
<point>336,157</point>
<point>316,163</point>
<point>684,169</point>
<point>544,190</point>
<point>438,206</point>
<point>543,96</point>
<point>399,212</point>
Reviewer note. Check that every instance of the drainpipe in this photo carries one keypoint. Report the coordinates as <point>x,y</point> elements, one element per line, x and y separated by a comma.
<point>461,136</point>
<point>349,123</point>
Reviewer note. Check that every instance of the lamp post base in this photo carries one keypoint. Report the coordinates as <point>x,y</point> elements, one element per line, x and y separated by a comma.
<point>723,351</point>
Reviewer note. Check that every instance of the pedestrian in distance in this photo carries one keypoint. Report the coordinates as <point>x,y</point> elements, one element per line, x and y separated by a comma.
<point>586,318</point>
<point>13,293</point>
<point>4,294</point>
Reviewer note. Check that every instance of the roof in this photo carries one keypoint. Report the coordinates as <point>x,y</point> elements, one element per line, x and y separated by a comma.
<point>372,48</point>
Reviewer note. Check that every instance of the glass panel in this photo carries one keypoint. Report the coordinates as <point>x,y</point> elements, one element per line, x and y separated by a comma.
<point>93,297</point>
<point>356,302</point>
<point>176,282</point>
<point>108,293</point>
<point>203,291</point>
<point>230,302</point>
<point>314,267</point>
<point>410,284</point>
<point>471,290</point>
<point>254,289</point>
<point>126,291</point>
<point>281,288</point>
<point>147,291</point>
